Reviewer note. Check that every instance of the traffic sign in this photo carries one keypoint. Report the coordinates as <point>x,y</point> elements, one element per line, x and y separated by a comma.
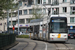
<point>13,27</point>
<point>54,9</point>
<point>71,27</point>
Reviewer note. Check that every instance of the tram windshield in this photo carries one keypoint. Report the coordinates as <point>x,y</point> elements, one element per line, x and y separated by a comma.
<point>58,26</point>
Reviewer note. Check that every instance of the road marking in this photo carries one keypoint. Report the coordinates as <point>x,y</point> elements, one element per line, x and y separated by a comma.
<point>46,46</point>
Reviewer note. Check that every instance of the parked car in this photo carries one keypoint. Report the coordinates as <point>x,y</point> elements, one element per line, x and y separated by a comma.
<point>71,35</point>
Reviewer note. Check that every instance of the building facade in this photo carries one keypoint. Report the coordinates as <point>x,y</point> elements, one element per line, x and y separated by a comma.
<point>64,7</point>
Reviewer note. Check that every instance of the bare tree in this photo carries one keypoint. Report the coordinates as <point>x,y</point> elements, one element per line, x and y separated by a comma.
<point>37,13</point>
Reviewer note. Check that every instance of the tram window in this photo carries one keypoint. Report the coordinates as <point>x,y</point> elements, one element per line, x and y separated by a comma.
<point>31,29</point>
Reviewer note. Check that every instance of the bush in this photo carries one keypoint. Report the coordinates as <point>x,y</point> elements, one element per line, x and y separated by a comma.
<point>3,34</point>
<point>22,36</point>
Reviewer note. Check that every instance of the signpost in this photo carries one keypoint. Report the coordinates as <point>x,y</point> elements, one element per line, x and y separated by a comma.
<point>13,29</point>
<point>71,27</point>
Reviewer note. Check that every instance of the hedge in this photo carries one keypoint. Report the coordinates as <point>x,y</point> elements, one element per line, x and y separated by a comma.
<point>6,39</point>
<point>22,36</point>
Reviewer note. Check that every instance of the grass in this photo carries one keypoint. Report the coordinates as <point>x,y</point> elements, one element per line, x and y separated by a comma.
<point>22,36</point>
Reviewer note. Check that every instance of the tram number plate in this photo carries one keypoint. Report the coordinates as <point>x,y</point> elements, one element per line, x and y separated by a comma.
<point>71,36</point>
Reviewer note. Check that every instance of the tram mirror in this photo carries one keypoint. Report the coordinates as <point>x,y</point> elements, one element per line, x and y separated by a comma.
<point>41,25</point>
<point>44,24</point>
<point>30,27</point>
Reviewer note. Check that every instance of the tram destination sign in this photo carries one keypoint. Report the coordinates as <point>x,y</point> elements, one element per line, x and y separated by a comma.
<point>58,21</point>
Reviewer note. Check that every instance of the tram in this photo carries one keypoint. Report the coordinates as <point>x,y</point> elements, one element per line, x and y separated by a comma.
<point>50,29</point>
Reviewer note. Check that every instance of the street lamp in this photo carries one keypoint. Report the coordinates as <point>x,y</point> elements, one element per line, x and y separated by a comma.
<point>8,20</point>
<point>49,13</point>
<point>18,18</point>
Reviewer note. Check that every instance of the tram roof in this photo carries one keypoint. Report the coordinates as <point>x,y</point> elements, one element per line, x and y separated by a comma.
<point>35,20</point>
<point>58,16</point>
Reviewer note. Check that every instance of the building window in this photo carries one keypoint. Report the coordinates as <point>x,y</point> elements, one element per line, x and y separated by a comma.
<point>39,11</point>
<point>14,14</point>
<point>25,12</point>
<point>20,3</point>
<point>30,2</point>
<point>72,11</point>
<point>21,21</point>
<point>64,0</point>
<point>44,1</point>
<point>0,18</point>
<point>0,23</point>
<point>55,2</point>
<point>49,1</point>
<point>38,1</point>
<point>24,0</point>
<point>72,19</point>
<point>20,12</point>
<point>27,20</point>
<point>44,10</point>
<point>9,14</point>
<point>49,11</point>
<point>13,22</point>
<point>9,22</point>
<point>72,1</point>
<point>64,9</point>
<point>30,11</point>
<point>55,11</point>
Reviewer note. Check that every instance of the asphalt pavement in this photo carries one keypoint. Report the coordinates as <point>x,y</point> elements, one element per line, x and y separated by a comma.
<point>72,41</point>
<point>29,44</point>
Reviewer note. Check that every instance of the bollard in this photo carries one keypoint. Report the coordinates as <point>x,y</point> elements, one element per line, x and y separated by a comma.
<point>13,31</point>
<point>40,36</point>
<point>30,35</point>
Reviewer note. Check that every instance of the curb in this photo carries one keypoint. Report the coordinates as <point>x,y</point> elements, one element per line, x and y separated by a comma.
<point>9,46</point>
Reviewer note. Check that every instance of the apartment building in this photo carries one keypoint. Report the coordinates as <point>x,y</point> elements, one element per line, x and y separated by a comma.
<point>64,7</point>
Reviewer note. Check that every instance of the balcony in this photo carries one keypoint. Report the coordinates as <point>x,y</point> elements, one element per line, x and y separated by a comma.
<point>72,1</point>
<point>55,13</point>
<point>55,2</point>
<point>72,13</point>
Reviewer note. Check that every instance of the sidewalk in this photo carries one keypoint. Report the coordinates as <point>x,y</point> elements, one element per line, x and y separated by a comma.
<point>10,46</point>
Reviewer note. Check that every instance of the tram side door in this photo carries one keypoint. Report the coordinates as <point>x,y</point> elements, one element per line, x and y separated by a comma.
<point>44,31</point>
<point>36,31</point>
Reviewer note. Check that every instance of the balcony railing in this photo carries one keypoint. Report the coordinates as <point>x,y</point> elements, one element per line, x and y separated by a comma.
<point>72,13</point>
<point>72,1</point>
<point>55,13</point>
<point>55,3</point>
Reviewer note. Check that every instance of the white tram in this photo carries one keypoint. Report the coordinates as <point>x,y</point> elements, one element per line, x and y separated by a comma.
<point>50,29</point>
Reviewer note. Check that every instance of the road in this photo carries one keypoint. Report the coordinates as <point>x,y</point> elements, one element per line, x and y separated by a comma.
<point>72,41</point>
<point>28,44</point>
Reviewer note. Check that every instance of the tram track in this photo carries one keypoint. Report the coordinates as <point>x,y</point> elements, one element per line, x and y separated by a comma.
<point>35,46</point>
<point>58,47</point>
<point>27,47</point>
<point>42,45</point>
<point>67,47</point>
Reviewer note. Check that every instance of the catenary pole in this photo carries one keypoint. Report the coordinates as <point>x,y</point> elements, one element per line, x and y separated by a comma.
<point>18,19</point>
<point>8,20</point>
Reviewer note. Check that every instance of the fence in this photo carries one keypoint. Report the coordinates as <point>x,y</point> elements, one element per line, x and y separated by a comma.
<point>6,40</point>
